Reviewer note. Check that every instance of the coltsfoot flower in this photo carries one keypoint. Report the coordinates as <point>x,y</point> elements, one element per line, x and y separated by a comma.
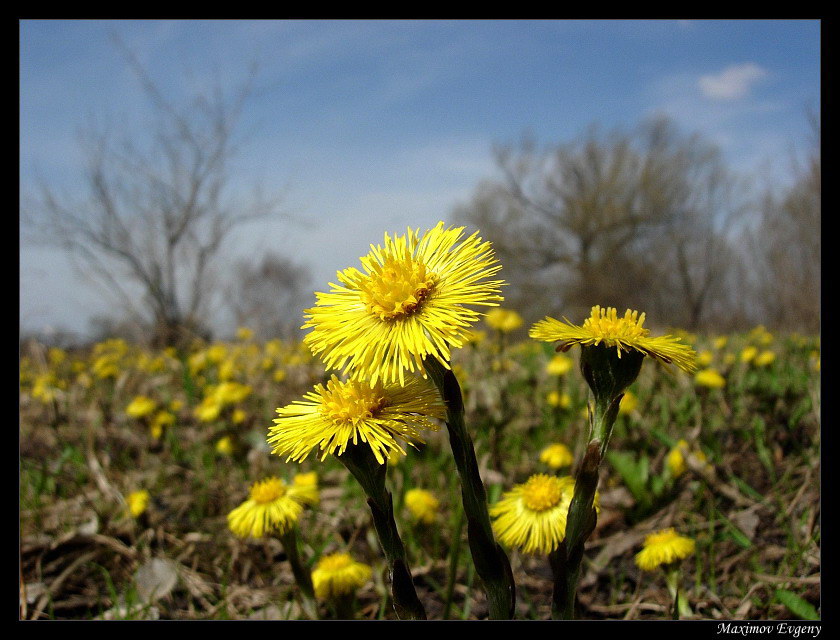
<point>557,456</point>
<point>710,378</point>
<point>272,506</point>
<point>337,575</point>
<point>504,320</point>
<point>663,548</point>
<point>676,458</point>
<point>625,334</point>
<point>138,502</point>
<point>422,504</point>
<point>140,406</point>
<point>532,516</point>
<point>413,299</point>
<point>342,413</point>
<point>559,365</point>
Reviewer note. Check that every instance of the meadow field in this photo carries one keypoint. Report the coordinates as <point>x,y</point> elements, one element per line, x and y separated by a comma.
<point>131,460</point>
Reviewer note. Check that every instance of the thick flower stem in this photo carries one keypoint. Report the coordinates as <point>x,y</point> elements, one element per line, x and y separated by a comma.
<point>582,515</point>
<point>362,464</point>
<point>303,576</point>
<point>491,562</point>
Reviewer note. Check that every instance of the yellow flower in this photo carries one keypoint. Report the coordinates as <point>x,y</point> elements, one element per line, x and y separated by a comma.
<point>557,399</point>
<point>676,458</point>
<point>628,403</point>
<point>162,419</point>
<point>504,320</point>
<point>556,456</point>
<point>704,358</point>
<point>138,502</point>
<point>238,416</point>
<point>720,342</point>
<point>231,392</point>
<point>338,575</point>
<point>329,418</point>
<point>710,378</point>
<point>140,406</point>
<point>408,304</point>
<point>244,333</point>
<point>663,547</point>
<point>273,506</point>
<point>748,353</point>
<point>422,505</point>
<point>625,334</point>
<point>279,375</point>
<point>532,516</point>
<point>764,358</point>
<point>208,410</point>
<point>559,365</point>
<point>224,446</point>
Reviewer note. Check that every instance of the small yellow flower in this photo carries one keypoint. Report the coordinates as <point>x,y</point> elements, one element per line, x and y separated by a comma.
<point>279,375</point>
<point>557,456</point>
<point>504,320</point>
<point>559,365</point>
<point>625,334</point>
<point>764,358</point>
<point>720,342</point>
<point>704,358</point>
<point>138,502</point>
<point>272,506</point>
<point>208,410</point>
<point>337,575</point>
<point>628,403</point>
<point>422,504</point>
<point>244,333</point>
<point>748,353</point>
<point>238,416</point>
<point>676,458</point>
<point>557,399</point>
<point>710,378</point>
<point>140,406</point>
<point>662,548</point>
<point>532,516</point>
<point>224,446</point>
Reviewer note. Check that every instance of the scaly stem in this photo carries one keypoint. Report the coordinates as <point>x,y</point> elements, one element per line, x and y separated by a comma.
<point>491,562</point>
<point>303,576</point>
<point>362,464</point>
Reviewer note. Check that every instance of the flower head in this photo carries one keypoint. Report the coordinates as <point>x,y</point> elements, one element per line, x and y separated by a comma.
<point>140,406</point>
<point>559,365</point>
<point>138,502</point>
<point>710,378</point>
<point>504,320</point>
<point>338,575</point>
<point>557,456</point>
<point>662,548</point>
<point>329,418</point>
<point>532,516</point>
<point>676,458</point>
<point>409,302</point>
<point>271,506</point>
<point>625,334</point>
<point>422,504</point>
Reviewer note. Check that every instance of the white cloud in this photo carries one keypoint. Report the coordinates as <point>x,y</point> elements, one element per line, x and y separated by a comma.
<point>733,83</point>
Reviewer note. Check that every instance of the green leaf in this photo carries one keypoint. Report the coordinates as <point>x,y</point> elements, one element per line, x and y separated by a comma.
<point>632,473</point>
<point>799,607</point>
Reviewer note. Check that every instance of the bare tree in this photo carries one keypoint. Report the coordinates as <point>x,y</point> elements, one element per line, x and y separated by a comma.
<point>159,209</point>
<point>635,219</point>
<point>786,245</point>
<point>268,297</point>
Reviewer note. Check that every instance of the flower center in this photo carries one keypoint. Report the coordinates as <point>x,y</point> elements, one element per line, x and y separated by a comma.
<point>606,325</point>
<point>542,492</point>
<point>335,562</point>
<point>268,490</point>
<point>397,288</point>
<point>350,401</point>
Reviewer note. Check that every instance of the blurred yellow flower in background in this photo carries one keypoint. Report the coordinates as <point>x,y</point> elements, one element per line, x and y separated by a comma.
<point>557,456</point>
<point>337,575</point>
<point>422,504</point>
<point>662,548</point>
<point>504,320</point>
<point>140,406</point>
<point>710,378</point>
<point>559,365</point>
<point>138,502</point>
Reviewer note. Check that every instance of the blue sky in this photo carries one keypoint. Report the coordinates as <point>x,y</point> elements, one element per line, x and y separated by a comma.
<point>373,126</point>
